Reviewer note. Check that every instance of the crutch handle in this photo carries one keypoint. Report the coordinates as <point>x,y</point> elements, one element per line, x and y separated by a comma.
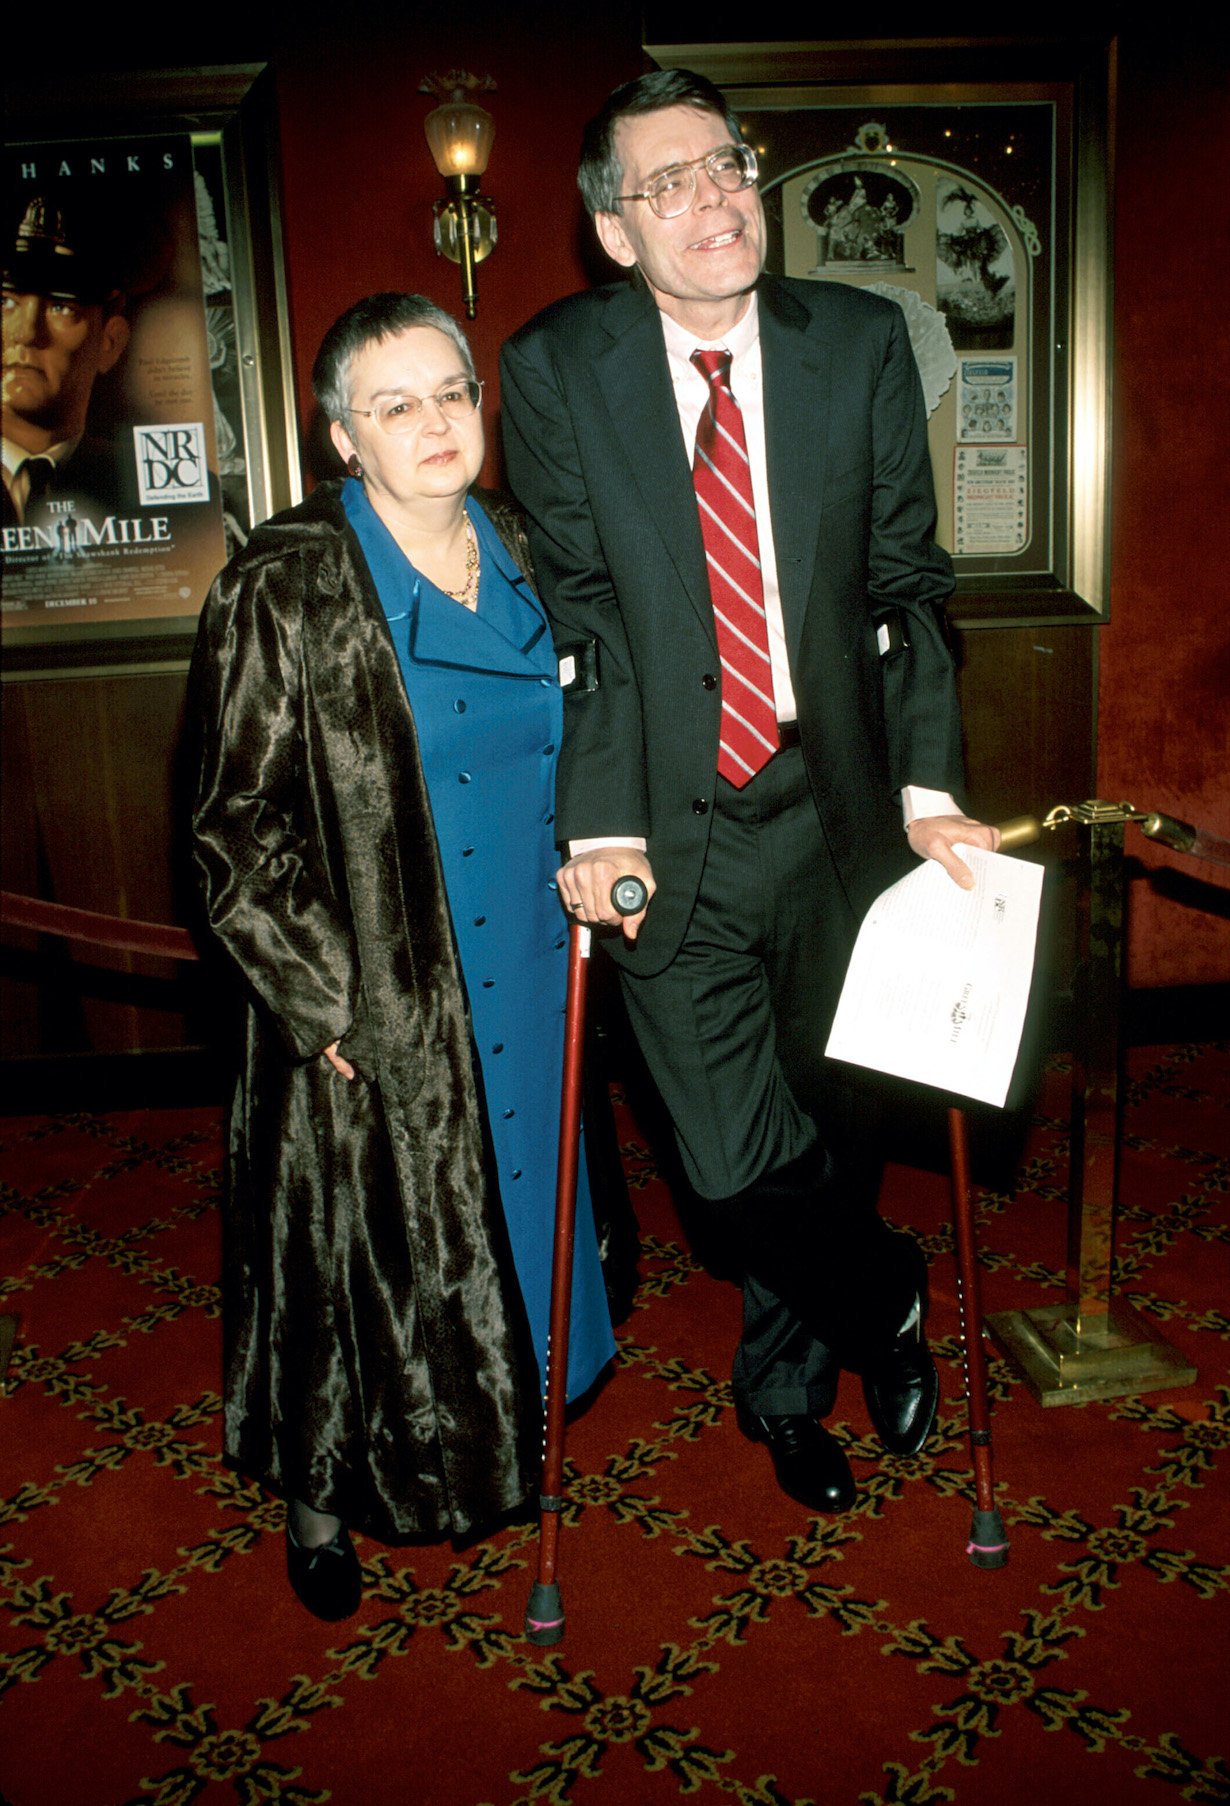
<point>629,895</point>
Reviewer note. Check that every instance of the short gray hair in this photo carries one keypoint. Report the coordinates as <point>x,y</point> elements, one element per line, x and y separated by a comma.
<point>376,317</point>
<point>601,176</point>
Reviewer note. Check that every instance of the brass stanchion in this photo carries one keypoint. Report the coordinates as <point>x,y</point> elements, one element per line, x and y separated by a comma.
<point>1093,1345</point>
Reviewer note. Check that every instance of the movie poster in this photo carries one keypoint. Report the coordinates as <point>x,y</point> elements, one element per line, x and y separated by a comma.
<point>112,507</point>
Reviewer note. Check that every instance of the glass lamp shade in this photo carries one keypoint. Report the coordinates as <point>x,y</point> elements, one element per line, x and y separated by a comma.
<point>460,135</point>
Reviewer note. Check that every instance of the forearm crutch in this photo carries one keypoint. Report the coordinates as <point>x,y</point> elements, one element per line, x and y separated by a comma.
<point>988,1542</point>
<point>544,1615</point>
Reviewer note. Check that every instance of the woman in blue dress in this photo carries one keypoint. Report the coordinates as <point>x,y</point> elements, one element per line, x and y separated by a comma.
<point>377,694</point>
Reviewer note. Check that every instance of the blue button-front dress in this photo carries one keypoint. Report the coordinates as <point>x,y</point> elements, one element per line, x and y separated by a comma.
<point>485,695</point>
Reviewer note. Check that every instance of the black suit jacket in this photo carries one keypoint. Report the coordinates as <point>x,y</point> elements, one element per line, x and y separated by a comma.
<point>596,457</point>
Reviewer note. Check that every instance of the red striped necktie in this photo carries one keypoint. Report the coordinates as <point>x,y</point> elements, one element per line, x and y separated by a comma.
<point>723,479</point>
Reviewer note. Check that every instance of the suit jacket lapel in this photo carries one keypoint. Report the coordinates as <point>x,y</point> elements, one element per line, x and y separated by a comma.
<point>635,382</point>
<point>797,368</point>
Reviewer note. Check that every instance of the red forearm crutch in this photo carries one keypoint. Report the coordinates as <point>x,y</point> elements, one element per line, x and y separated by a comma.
<point>988,1542</point>
<point>544,1615</point>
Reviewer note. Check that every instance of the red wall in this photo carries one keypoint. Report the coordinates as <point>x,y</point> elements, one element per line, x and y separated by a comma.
<point>359,182</point>
<point>1164,683</point>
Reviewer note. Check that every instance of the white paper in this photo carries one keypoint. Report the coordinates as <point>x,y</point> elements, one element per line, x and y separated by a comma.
<point>990,498</point>
<point>939,977</point>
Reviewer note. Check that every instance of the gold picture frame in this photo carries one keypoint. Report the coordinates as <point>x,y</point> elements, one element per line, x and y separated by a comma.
<point>1026,511</point>
<point>227,115</point>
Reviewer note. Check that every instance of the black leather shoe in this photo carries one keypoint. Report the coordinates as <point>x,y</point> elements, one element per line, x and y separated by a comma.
<point>327,1579</point>
<point>810,1465</point>
<point>902,1390</point>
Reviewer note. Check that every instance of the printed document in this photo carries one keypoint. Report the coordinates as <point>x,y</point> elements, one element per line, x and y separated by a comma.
<point>939,978</point>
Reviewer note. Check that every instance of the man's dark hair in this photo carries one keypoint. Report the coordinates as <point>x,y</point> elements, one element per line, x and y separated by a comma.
<point>380,316</point>
<point>601,177</point>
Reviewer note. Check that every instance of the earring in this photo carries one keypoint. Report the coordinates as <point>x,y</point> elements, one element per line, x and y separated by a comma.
<point>353,465</point>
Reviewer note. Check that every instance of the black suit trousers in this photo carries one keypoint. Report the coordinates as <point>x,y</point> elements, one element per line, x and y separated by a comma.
<point>733,1031</point>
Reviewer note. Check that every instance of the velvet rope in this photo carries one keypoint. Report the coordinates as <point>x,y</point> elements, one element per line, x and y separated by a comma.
<point>156,938</point>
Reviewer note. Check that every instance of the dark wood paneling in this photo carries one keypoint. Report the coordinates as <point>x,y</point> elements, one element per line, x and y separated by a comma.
<point>93,818</point>
<point>1028,702</point>
<point>1027,696</point>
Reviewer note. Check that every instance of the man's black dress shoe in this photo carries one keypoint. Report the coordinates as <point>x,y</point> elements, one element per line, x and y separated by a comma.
<point>902,1390</point>
<point>810,1465</point>
<point>327,1579</point>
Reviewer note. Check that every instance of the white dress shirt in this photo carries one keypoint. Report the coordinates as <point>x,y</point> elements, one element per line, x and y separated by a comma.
<point>747,387</point>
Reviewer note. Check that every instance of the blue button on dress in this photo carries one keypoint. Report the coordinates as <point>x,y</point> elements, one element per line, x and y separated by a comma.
<point>488,711</point>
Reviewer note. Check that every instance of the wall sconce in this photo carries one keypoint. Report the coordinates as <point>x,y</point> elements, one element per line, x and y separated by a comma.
<point>461,134</point>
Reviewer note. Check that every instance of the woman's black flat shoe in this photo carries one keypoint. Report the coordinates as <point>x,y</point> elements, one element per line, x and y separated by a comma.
<point>327,1579</point>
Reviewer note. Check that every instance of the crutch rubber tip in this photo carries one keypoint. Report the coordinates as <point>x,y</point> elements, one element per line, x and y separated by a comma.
<point>988,1543</point>
<point>544,1615</point>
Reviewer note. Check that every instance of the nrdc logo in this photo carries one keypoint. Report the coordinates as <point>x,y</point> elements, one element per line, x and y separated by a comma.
<point>171,464</point>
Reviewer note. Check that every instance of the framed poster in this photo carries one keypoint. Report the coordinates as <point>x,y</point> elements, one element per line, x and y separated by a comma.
<point>967,184</point>
<point>147,404</point>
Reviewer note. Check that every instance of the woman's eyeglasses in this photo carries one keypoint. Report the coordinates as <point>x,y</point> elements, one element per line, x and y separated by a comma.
<point>404,413</point>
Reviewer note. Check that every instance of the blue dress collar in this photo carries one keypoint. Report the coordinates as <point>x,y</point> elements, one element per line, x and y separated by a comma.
<point>507,633</point>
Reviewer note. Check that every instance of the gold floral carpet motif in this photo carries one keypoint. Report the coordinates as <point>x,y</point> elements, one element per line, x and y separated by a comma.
<point>722,1645</point>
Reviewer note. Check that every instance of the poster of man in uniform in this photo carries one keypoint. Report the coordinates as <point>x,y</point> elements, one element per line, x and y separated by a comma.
<point>111,509</point>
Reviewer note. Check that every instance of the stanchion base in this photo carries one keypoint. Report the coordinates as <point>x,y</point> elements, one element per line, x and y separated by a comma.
<point>8,1335</point>
<point>544,1615</point>
<point>1069,1354</point>
<point>988,1541</point>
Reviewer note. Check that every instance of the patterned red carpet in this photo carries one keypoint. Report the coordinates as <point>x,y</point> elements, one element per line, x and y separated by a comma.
<point>721,1645</point>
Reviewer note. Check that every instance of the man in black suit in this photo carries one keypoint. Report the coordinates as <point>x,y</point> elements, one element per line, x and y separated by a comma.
<point>759,864</point>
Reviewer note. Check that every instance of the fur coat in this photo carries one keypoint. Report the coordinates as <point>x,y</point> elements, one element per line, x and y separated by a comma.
<point>377,1357</point>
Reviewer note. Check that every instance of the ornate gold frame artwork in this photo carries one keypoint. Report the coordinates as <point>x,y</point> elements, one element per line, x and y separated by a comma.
<point>968,185</point>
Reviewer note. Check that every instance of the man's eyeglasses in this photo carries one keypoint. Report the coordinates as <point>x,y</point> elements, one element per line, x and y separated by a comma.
<point>404,413</point>
<point>672,192</point>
